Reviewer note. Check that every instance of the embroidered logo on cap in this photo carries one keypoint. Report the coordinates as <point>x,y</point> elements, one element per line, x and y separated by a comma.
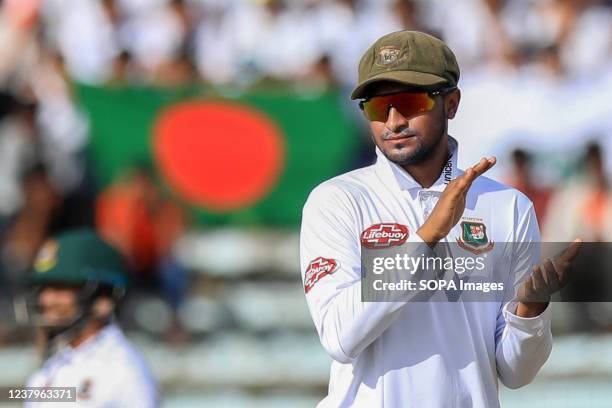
<point>46,257</point>
<point>389,56</point>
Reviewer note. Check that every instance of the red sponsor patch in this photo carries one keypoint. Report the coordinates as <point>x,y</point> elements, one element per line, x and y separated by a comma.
<point>317,269</point>
<point>384,235</point>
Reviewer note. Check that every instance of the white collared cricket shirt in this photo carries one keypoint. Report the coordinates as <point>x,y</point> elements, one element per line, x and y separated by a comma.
<point>416,354</point>
<point>106,370</point>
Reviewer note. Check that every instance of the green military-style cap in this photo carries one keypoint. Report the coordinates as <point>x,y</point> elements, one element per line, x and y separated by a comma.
<point>408,57</point>
<point>78,257</point>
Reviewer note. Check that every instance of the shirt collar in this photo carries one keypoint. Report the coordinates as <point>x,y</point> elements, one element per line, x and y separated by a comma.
<point>107,333</point>
<point>392,174</point>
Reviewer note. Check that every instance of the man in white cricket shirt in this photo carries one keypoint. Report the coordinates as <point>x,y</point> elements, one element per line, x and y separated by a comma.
<point>409,353</point>
<point>78,279</point>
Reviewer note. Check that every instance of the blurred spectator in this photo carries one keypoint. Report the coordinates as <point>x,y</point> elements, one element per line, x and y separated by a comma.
<point>580,30</point>
<point>26,232</point>
<point>135,216</point>
<point>63,128</point>
<point>352,26</point>
<point>123,70</point>
<point>43,187</point>
<point>85,32</point>
<point>156,38</point>
<point>18,149</point>
<point>597,208</point>
<point>583,208</point>
<point>484,43</point>
<point>144,224</point>
<point>218,49</point>
<point>284,47</point>
<point>265,39</point>
<point>522,179</point>
<point>17,19</point>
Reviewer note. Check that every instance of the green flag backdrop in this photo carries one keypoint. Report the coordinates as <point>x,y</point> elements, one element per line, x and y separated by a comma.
<point>241,159</point>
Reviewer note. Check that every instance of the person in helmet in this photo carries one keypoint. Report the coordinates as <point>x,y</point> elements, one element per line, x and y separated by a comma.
<point>78,280</point>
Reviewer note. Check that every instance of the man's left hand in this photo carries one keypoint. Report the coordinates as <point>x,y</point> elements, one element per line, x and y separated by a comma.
<point>547,278</point>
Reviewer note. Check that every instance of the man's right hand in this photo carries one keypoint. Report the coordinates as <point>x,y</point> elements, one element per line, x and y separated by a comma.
<point>449,208</point>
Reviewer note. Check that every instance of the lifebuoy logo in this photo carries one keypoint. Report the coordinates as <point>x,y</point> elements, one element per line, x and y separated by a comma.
<point>317,269</point>
<point>384,236</point>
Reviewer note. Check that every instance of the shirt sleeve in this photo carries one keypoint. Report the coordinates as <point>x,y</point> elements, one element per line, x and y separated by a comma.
<point>331,271</point>
<point>522,344</point>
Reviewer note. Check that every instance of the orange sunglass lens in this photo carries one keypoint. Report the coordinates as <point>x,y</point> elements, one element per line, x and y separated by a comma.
<point>408,104</point>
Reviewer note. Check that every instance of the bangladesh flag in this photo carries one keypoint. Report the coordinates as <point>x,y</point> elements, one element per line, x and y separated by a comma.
<point>242,159</point>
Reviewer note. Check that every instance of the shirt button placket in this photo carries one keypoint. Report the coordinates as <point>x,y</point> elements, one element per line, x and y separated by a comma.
<point>424,198</point>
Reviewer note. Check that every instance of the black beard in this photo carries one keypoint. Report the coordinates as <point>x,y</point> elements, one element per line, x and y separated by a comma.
<point>422,153</point>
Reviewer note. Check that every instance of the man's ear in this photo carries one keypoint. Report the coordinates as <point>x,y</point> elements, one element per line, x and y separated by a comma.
<point>452,103</point>
<point>103,307</point>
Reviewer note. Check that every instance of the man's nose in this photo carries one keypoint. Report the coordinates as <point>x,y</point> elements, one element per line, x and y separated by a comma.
<point>46,295</point>
<point>43,295</point>
<point>396,121</point>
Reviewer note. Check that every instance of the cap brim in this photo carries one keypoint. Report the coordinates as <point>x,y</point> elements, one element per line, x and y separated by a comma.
<point>49,278</point>
<point>411,78</point>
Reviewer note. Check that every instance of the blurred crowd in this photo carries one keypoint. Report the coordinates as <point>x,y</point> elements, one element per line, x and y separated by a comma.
<point>241,42</point>
<point>46,182</point>
<point>581,207</point>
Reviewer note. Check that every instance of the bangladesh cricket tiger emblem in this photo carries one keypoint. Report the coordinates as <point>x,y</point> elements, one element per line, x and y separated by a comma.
<point>474,236</point>
<point>46,257</point>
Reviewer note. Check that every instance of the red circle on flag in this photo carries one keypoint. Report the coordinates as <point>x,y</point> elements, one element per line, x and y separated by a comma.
<point>220,155</point>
